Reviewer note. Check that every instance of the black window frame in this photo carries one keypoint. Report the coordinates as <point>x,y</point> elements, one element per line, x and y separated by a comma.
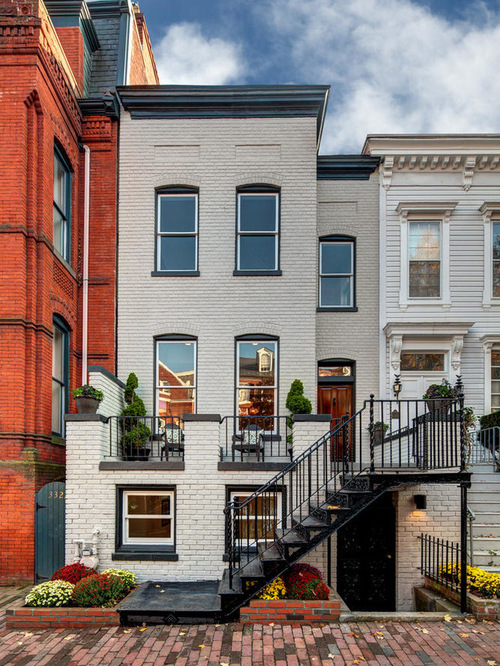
<point>256,337</point>
<point>143,552</point>
<point>59,323</point>
<point>174,337</point>
<point>255,190</point>
<point>176,190</point>
<point>63,161</point>
<point>337,239</point>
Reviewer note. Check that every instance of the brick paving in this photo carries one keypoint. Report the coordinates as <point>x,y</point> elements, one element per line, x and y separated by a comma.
<point>459,642</point>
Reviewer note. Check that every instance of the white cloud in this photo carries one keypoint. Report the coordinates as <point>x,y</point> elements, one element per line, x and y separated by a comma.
<point>185,56</point>
<point>393,66</point>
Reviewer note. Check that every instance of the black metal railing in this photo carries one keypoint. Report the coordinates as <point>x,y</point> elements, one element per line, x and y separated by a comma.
<point>255,438</point>
<point>485,447</point>
<point>440,560</point>
<point>139,438</point>
<point>427,437</point>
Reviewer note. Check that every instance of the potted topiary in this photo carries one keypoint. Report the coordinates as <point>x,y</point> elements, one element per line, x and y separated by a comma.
<point>87,399</point>
<point>135,433</point>
<point>297,403</point>
<point>379,430</point>
<point>440,396</point>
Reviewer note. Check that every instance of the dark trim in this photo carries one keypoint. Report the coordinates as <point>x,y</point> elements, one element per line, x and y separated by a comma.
<point>123,46</point>
<point>100,9</point>
<point>257,188</point>
<point>208,418</point>
<point>277,272</point>
<point>97,418</point>
<point>138,556</point>
<point>251,466</point>
<point>141,465</point>
<point>64,161</point>
<point>100,106</point>
<point>58,441</point>
<point>106,373</point>
<point>174,337</point>
<point>175,273</point>
<point>141,550</point>
<point>255,337</point>
<point>337,238</point>
<point>311,418</point>
<point>65,329</point>
<point>346,167</point>
<point>74,13</point>
<point>177,189</point>
<point>340,309</point>
<point>276,101</point>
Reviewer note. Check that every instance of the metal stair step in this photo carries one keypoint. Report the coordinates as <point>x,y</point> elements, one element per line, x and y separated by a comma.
<point>252,569</point>
<point>309,522</point>
<point>329,507</point>
<point>270,553</point>
<point>224,584</point>
<point>290,538</point>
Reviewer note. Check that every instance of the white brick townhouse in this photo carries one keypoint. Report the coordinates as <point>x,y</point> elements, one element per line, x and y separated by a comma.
<point>246,262</point>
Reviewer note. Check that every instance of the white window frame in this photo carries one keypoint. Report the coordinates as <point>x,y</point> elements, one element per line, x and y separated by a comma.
<point>425,212</point>
<point>161,234</point>
<point>129,541</point>
<point>491,214</point>
<point>275,233</point>
<point>274,368</point>
<point>490,343</point>
<point>350,275</point>
<point>183,341</point>
<point>279,508</point>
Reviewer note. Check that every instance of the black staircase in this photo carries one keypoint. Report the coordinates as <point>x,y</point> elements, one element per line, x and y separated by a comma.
<point>386,444</point>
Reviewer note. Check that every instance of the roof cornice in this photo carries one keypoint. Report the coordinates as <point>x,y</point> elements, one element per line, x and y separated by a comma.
<point>77,13</point>
<point>346,167</point>
<point>431,144</point>
<point>99,106</point>
<point>225,102</point>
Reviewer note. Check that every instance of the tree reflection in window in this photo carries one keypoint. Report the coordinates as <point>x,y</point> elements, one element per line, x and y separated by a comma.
<point>412,362</point>
<point>256,388</point>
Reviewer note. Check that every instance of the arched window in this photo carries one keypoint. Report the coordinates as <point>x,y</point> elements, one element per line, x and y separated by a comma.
<point>175,375</point>
<point>257,375</point>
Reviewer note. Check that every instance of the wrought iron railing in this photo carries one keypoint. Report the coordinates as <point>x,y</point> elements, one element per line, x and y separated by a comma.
<point>485,447</point>
<point>427,437</point>
<point>440,561</point>
<point>139,438</point>
<point>256,438</point>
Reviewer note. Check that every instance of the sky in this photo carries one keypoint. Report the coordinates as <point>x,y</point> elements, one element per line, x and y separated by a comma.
<point>394,66</point>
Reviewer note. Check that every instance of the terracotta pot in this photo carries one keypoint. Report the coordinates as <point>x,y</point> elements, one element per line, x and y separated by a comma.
<point>86,405</point>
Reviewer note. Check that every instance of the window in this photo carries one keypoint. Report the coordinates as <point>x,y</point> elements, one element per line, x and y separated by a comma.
<point>258,231</point>
<point>177,231</point>
<point>495,380</point>
<point>256,390</point>
<point>259,518</point>
<point>148,517</point>
<point>61,209</point>
<point>412,362</point>
<point>425,260</point>
<point>60,362</point>
<point>176,376</point>
<point>496,260</point>
<point>336,273</point>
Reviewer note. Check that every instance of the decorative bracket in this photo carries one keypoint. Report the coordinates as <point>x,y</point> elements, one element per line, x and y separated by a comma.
<point>457,345</point>
<point>396,346</point>
<point>469,170</point>
<point>387,171</point>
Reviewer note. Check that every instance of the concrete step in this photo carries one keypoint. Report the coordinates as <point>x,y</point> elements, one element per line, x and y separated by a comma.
<point>484,541</point>
<point>491,569</point>
<point>483,485</point>
<point>486,529</point>
<point>483,558</point>
<point>486,515</point>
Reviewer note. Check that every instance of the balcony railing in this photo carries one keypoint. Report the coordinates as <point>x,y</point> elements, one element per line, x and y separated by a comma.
<point>140,438</point>
<point>256,438</point>
<point>440,561</point>
<point>485,447</point>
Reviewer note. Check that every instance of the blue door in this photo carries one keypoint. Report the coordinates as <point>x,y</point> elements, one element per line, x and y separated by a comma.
<point>49,530</point>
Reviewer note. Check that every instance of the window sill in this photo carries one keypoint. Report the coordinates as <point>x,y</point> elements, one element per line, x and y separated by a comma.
<point>175,273</point>
<point>333,309</point>
<point>258,272</point>
<point>433,302</point>
<point>65,263</point>
<point>144,556</point>
<point>58,440</point>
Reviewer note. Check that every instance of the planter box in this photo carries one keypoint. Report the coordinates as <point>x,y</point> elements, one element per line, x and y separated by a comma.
<point>61,618</point>
<point>482,609</point>
<point>290,611</point>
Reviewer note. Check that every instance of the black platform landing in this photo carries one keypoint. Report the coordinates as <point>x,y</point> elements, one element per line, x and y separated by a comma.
<point>178,603</point>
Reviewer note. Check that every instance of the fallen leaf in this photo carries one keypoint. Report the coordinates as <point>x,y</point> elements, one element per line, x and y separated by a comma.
<point>162,591</point>
<point>441,628</point>
<point>201,646</point>
<point>447,618</point>
<point>68,638</point>
<point>142,629</point>
<point>464,635</point>
<point>19,642</point>
<point>330,656</point>
<point>157,586</point>
<point>425,631</point>
<point>491,663</point>
<point>223,663</point>
<point>27,633</point>
<point>127,631</point>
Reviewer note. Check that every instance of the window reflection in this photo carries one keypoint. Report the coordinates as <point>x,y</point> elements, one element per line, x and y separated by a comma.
<point>256,389</point>
<point>176,377</point>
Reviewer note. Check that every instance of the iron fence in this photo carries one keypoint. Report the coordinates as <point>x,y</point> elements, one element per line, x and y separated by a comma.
<point>440,560</point>
<point>485,447</point>
<point>140,438</point>
<point>256,438</point>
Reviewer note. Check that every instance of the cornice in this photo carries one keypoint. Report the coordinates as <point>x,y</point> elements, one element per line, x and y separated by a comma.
<point>432,144</point>
<point>99,106</point>
<point>225,102</point>
<point>437,209</point>
<point>74,13</point>
<point>435,328</point>
<point>346,167</point>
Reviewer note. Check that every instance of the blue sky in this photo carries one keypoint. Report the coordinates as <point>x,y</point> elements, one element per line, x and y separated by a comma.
<point>395,66</point>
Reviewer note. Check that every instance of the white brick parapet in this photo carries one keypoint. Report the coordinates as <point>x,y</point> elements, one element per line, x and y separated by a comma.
<point>112,403</point>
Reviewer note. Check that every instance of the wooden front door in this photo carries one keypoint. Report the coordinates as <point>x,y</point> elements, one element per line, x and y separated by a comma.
<point>336,400</point>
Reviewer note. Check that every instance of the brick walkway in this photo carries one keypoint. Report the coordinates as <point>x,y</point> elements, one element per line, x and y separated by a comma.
<point>374,643</point>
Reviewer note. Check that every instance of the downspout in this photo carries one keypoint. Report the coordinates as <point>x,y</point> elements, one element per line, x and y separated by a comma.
<point>85,270</point>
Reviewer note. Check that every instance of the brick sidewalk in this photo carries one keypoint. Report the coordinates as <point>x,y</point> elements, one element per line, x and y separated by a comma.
<point>373,643</point>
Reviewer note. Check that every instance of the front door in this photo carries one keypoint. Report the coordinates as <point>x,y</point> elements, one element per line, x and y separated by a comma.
<point>366,549</point>
<point>49,530</point>
<point>336,400</point>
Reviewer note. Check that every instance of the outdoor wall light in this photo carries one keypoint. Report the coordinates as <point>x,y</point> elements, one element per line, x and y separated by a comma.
<point>420,502</point>
<point>397,386</point>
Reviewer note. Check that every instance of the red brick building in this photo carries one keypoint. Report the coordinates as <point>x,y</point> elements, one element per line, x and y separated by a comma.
<point>59,63</point>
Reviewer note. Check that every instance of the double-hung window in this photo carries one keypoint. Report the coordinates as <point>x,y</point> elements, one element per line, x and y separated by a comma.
<point>495,380</point>
<point>148,517</point>
<point>336,272</point>
<point>60,362</point>
<point>257,245</point>
<point>257,378</point>
<point>496,259</point>
<point>256,520</point>
<point>61,208</point>
<point>177,231</point>
<point>176,376</point>
<point>424,259</point>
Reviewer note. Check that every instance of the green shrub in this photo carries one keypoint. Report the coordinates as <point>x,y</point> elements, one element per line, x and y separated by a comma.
<point>135,431</point>
<point>87,391</point>
<point>127,577</point>
<point>51,593</point>
<point>296,402</point>
<point>99,590</point>
<point>490,420</point>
